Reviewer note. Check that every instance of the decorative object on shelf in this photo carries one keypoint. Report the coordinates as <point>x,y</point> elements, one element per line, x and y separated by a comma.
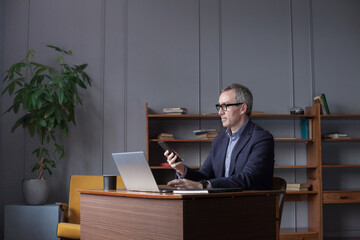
<point>174,111</point>
<point>297,110</point>
<point>164,164</point>
<point>48,98</point>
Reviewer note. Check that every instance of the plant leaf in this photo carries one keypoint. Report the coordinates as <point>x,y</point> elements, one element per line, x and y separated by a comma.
<point>61,96</point>
<point>42,123</point>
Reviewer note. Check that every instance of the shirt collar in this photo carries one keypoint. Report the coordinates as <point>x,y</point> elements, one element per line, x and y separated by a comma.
<point>238,132</point>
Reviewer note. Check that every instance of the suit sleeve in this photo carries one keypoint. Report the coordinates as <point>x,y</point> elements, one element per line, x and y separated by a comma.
<point>207,169</point>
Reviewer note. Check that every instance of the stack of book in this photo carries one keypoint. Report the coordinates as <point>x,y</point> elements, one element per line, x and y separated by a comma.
<point>205,133</point>
<point>165,136</point>
<point>297,187</point>
<point>174,111</point>
<point>324,107</point>
<point>335,135</point>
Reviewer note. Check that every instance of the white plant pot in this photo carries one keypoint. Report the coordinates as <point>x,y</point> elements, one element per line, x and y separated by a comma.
<point>35,191</point>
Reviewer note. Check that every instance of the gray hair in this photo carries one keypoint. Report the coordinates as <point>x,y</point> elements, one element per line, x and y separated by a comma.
<point>242,95</point>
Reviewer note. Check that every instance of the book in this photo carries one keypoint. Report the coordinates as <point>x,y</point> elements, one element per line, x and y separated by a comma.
<point>305,128</point>
<point>202,136</point>
<point>202,131</point>
<point>174,111</point>
<point>326,106</point>
<point>335,135</point>
<point>205,133</point>
<point>164,136</point>
<point>297,186</point>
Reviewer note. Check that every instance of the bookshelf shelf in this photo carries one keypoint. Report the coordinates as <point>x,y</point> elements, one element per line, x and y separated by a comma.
<point>340,139</point>
<point>289,192</point>
<point>297,230</point>
<point>295,166</point>
<point>338,116</point>
<point>341,166</point>
<point>298,234</point>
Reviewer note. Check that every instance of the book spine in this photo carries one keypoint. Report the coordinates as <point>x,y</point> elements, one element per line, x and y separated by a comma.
<point>304,128</point>
<point>327,110</point>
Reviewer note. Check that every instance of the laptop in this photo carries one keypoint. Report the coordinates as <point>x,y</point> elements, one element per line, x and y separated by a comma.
<point>135,172</point>
<point>137,176</point>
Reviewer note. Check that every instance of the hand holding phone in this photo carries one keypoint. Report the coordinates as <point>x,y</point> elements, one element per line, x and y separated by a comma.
<point>165,147</point>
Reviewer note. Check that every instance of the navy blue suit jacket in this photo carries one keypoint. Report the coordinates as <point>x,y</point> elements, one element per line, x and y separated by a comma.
<point>252,161</point>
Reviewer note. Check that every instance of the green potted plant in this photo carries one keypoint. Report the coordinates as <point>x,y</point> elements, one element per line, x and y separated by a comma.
<point>46,98</point>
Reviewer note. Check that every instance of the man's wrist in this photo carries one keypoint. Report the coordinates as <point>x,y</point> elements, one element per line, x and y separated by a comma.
<point>204,183</point>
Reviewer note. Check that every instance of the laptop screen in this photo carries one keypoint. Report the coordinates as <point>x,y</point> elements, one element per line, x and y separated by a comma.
<point>135,171</point>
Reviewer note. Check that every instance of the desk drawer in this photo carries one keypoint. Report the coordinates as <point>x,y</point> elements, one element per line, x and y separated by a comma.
<point>341,197</point>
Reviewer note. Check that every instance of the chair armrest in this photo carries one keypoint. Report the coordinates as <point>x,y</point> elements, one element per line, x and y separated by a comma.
<point>63,217</point>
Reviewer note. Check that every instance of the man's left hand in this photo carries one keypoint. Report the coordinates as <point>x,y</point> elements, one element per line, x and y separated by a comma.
<point>185,184</point>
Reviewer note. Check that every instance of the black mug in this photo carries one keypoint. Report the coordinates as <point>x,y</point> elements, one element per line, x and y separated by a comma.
<point>109,182</point>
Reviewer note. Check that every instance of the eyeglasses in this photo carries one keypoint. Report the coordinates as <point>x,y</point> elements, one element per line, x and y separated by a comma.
<point>225,106</point>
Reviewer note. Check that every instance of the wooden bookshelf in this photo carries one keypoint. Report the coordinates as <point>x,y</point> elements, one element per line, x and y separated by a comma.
<point>312,166</point>
<point>340,196</point>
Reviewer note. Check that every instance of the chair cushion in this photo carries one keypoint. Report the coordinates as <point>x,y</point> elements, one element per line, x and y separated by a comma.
<point>68,230</point>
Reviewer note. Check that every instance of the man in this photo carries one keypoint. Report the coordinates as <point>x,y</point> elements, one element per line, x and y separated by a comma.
<point>240,157</point>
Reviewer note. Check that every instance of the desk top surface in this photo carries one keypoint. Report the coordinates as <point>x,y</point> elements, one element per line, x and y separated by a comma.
<point>158,195</point>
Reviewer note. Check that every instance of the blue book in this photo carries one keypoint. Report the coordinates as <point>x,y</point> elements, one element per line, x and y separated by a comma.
<point>304,128</point>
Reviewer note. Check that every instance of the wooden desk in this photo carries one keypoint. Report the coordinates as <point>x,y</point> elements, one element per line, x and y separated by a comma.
<point>139,215</point>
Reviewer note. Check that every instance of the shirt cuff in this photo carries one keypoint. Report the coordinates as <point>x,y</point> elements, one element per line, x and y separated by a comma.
<point>182,176</point>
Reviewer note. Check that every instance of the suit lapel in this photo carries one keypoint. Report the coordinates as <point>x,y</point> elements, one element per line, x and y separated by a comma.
<point>221,164</point>
<point>244,138</point>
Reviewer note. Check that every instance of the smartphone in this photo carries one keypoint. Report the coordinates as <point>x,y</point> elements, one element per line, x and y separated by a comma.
<point>165,147</point>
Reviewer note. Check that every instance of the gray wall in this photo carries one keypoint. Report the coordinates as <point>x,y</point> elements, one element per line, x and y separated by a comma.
<point>177,53</point>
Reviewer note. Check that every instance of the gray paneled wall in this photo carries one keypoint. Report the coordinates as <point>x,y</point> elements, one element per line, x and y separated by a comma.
<point>177,53</point>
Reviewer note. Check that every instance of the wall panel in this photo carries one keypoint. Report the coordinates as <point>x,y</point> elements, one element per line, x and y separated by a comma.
<point>336,27</point>
<point>256,51</point>
<point>163,61</point>
<point>82,32</point>
<point>114,83</point>
<point>12,170</point>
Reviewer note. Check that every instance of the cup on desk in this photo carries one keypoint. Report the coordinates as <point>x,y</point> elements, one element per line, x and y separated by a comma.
<point>109,182</point>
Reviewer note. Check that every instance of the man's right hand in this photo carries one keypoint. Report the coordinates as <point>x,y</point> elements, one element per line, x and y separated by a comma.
<point>178,166</point>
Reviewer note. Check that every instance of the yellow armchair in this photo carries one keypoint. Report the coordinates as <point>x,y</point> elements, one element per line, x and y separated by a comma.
<point>69,228</point>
